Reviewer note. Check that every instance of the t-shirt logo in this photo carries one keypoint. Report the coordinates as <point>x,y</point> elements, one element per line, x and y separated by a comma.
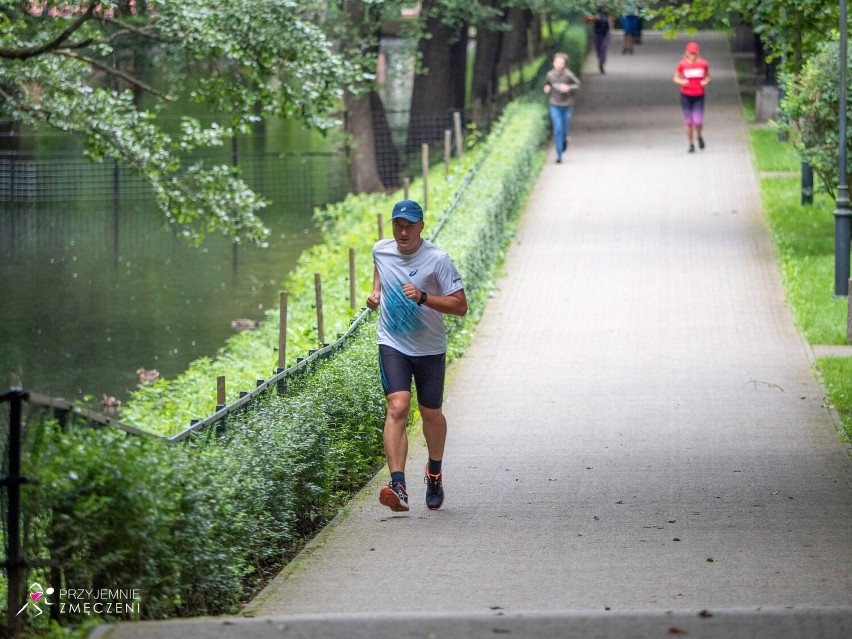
<point>413,273</point>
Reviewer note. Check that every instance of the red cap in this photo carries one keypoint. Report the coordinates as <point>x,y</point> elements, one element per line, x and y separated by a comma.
<point>692,47</point>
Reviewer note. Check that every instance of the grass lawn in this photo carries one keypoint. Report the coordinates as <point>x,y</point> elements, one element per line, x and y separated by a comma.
<point>804,242</point>
<point>771,155</point>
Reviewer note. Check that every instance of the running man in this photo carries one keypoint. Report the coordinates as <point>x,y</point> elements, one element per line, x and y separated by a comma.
<point>414,283</point>
<point>692,74</point>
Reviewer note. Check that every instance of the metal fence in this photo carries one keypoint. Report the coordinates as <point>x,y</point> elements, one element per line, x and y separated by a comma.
<point>21,538</point>
<point>31,175</point>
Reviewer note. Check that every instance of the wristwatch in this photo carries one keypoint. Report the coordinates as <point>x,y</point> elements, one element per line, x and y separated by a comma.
<point>422,298</point>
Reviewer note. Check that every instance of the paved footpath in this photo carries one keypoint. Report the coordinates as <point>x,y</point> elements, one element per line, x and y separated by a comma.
<point>636,433</point>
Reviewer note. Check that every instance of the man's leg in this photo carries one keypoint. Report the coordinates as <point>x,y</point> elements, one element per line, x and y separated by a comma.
<point>434,431</point>
<point>395,436</point>
<point>396,373</point>
<point>429,375</point>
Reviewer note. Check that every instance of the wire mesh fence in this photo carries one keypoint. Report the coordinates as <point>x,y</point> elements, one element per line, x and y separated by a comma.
<point>33,175</point>
<point>27,177</point>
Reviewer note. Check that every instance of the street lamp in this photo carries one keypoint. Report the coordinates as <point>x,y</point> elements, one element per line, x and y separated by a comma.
<point>842,214</point>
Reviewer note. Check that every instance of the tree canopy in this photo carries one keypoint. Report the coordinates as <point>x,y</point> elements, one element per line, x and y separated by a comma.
<point>791,30</point>
<point>64,63</point>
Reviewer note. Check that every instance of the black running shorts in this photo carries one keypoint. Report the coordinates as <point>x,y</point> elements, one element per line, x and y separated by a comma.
<point>398,369</point>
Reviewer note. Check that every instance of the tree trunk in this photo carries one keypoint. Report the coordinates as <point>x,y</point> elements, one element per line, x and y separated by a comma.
<point>485,61</point>
<point>365,114</point>
<point>436,93</point>
<point>363,168</point>
<point>514,42</point>
<point>387,157</point>
<point>535,33</point>
<point>458,68</point>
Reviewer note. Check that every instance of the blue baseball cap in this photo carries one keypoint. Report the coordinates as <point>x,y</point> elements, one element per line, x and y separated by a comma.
<point>407,209</point>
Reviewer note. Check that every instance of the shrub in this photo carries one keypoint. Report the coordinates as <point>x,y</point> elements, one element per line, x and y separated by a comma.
<point>811,104</point>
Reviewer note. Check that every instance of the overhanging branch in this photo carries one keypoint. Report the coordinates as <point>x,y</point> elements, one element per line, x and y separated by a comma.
<point>115,72</point>
<point>31,52</point>
<point>145,32</point>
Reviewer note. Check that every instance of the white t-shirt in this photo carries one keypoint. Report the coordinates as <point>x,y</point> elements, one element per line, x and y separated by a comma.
<point>403,325</point>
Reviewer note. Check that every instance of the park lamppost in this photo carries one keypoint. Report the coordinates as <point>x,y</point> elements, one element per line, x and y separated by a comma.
<point>842,214</point>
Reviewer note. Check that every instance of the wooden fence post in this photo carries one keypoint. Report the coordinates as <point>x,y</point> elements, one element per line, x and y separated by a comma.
<point>352,278</point>
<point>406,184</point>
<point>282,331</point>
<point>424,151</point>
<point>381,225</point>
<point>320,327</point>
<point>459,139</point>
<point>220,392</point>
<point>448,150</point>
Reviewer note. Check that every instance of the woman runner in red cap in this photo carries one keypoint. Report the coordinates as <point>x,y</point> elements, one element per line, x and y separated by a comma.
<point>692,74</point>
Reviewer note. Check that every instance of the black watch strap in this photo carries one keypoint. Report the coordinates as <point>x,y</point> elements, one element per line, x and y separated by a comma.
<point>422,298</point>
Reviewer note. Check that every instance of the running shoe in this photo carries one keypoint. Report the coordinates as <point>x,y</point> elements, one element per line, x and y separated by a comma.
<point>700,143</point>
<point>395,497</point>
<point>434,490</point>
<point>692,148</point>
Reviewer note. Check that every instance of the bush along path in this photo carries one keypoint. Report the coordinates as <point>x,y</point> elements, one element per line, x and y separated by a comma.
<point>198,527</point>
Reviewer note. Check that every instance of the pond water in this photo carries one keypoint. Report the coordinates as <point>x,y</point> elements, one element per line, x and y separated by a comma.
<point>93,285</point>
<point>92,290</point>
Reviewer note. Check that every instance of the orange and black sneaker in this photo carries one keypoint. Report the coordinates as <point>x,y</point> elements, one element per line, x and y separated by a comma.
<point>395,497</point>
<point>434,490</point>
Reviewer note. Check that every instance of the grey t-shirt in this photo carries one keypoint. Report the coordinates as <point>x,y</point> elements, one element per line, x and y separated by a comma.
<point>403,325</point>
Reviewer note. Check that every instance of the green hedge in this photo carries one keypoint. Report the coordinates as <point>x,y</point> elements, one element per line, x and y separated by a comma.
<point>199,527</point>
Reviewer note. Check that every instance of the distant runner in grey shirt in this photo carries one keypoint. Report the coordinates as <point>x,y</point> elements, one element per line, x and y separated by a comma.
<point>414,283</point>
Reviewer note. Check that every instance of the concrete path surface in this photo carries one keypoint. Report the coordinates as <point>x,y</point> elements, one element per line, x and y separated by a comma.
<point>636,433</point>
